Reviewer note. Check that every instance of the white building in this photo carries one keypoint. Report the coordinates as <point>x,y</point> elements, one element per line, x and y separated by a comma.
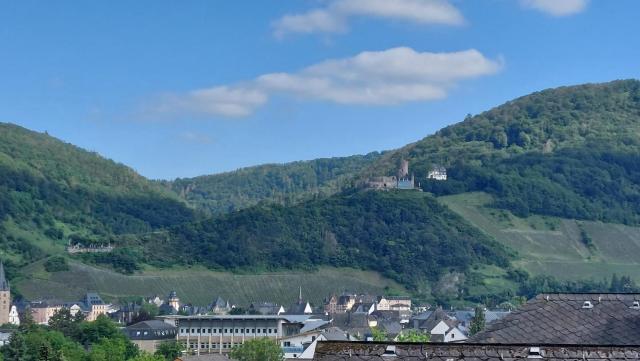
<point>437,173</point>
<point>204,334</point>
<point>14,318</point>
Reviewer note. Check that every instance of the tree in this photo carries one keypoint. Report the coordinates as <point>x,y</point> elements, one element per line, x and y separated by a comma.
<point>378,334</point>
<point>170,350</point>
<point>66,323</point>
<point>413,336</point>
<point>17,349</point>
<point>262,349</point>
<point>144,356</point>
<point>477,324</point>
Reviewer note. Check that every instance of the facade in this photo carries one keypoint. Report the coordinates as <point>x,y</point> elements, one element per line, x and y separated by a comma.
<point>219,333</point>
<point>394,303</point>
<point>91,306</point>
<point>14,317</point>
<point>147,335</point>
<point>5,297</point>
<point>174,301</point>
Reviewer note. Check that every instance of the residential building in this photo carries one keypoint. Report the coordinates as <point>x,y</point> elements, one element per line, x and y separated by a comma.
<point>437,172</point>
<point>328,334</point>
<point>91,306</point>
<point>393,303</point>
<point>570,318</point>
<point>266,308</point>
<point>14,317</point>
<point>219,306</point>
<point>147,335</point>
<point>441,326</point>
<point>94,306</point>
<point>367,351</point>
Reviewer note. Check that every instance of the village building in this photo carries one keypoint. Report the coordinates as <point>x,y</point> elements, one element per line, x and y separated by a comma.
<point>91,306</point>
<point>220,307</point>
<point>437,172</point>
<point>266,308</point>
<point>393,303</point>
<point>570,318</point>
<point>147,335</point>
<point>441,326</point>
<point>203,334</point>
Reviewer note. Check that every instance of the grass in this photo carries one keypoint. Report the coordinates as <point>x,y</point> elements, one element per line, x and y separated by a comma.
<point>553,246</point>
<point>199,286</point>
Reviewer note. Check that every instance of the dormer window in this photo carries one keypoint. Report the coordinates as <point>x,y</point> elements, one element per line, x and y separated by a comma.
<point>636,305</point>
<point>587,305</point>
<point>535,352</point>
<point>390,351</point>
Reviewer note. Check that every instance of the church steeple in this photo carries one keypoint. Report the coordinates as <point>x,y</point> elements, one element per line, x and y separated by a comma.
<point>4,285</point>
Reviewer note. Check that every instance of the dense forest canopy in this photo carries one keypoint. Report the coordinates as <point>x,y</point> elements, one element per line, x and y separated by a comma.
<point>408,237</point>
<point>570,152</point>
<point>283,184</point>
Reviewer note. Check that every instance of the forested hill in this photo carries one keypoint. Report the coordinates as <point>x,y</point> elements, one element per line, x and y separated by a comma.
<point>407,236</point>
<point>271,183</point>
<point>572,152</point>
<point>56,191</point>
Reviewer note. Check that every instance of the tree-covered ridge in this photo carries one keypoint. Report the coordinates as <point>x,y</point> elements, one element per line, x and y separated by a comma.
<point>569,152</point>
<point>409,237</point>
<point>272,183</point>
<point>57,191</point>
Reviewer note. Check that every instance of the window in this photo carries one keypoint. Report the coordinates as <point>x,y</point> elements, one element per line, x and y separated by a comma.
<point>208,330</point>
<point>264,330</point>
<point>269,330</point>
<point>219,330</point>
<point>198,330</point>
<point>226,330</point>
<point>287,344</point>
<point>452,335</point>
<point>193,330</point>
<point>253,330</point>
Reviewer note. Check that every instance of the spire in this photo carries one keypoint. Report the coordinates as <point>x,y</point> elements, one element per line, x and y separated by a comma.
<point>4,285</point>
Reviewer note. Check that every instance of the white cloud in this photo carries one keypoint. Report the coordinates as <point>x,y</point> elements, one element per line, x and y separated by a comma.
<point>386,77</point>
<point>334,17</point>
<point>557,7</point>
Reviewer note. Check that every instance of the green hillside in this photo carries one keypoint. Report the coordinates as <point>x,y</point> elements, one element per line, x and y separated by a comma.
<point>51,192</point>
<point>199,286</point>
<point>569,152</point>
<point>271,183</point>
<point>406,236</point>
<point>564,248</point>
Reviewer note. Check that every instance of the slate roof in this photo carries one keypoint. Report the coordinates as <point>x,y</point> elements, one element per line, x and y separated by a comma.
<point>561,318</point>
<point>368,351</point>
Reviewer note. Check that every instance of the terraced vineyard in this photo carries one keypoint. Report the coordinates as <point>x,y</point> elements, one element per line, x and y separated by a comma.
<point>199,286</point>
<point>555,246</point>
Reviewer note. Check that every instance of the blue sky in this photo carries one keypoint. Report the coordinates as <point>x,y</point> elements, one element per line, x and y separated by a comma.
<point>178,89</point>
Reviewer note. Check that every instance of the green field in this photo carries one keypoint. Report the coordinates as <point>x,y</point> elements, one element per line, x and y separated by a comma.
<point>199,286</point>
<point>553,246</point>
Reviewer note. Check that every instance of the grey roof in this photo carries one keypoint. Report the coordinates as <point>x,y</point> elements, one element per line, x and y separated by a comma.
<point>561,318</point>
<point>151,325</point>
<point>205,357</point>
<point>368,351</point>
<point>313,325</point>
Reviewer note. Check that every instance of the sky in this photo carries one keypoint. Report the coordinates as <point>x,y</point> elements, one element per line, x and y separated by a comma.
<point>185,88</point>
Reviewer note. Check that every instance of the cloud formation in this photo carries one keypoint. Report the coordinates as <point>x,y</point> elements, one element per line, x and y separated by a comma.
<point>557,7</point>
<point>392,76</point>
<point>335,16</point>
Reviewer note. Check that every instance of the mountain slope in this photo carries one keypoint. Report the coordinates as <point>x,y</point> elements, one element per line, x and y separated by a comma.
<point>51,191</point>
<point>272,183</point>
<point>571,152</point>
<point>407,236</point>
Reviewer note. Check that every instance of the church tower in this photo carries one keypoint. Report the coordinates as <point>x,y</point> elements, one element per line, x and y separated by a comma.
<point>5,297</point>
<point>174,301</point>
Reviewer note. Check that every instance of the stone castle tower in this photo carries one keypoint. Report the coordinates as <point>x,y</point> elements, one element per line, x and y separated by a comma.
<point>5,297</point>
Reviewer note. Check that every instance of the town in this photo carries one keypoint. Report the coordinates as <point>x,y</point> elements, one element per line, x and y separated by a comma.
<point>358,324</point>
